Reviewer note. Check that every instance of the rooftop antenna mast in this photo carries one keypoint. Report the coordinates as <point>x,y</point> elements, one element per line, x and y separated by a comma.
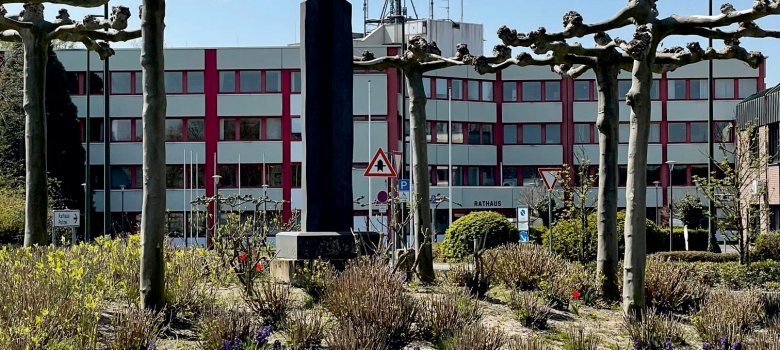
<point>447,8</point>
<point>393,11</point>
<point>430,10</point>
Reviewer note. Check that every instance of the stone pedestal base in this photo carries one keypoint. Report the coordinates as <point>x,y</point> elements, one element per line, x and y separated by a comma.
<point>294,249</point>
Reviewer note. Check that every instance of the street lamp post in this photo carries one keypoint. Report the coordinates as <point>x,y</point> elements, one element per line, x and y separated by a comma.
<point>107,222</point>
<point>265,207</point>
<point>656,201</point>
<point>670,163</point>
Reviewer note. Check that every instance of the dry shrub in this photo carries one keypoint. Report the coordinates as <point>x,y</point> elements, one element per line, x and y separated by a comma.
<point>771,302</point>
<point>443,315</point>
<point>673,287</point>
<point>368,297</point>
<point>134,329</point>
<point>764,341</point>
<point>271,301</point>
<point>653,329</point>
<point>477,337</point>
<point>531,311</point>
<point>470,279</point>
<point>524,266</point>
<point>219,324</point>
<point>578,339</point>
<point>188,285</point>
<point>526,344</point>
<point>348,335</point>
<point>304,330</point>
<point>729,315</point>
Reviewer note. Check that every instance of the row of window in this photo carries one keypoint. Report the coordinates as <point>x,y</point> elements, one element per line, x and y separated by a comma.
<point>251,176</point>
<point>682,175</point>
<point>462,89</point>
<point>678,132</point>
<point>696,89</point>
<point>463,175</point>
<point>131,130</point>
<point>462,133</point>
<point>184,82</point>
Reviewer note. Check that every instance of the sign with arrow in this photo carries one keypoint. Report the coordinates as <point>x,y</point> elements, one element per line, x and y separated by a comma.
<point>549,176</point>
<point>380,166</point>
<point>66,218</point>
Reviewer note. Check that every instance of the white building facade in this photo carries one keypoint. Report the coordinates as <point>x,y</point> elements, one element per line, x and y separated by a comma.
<point>236,111</point>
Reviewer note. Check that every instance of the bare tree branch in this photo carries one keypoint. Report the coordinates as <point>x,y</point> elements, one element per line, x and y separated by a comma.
<point>728,16</point>
<point>79,3</point>
<point>677,57</point>
<point>369,62</point>
<point>10,35</point>
<point>742,32</point>
<point>573,72</point>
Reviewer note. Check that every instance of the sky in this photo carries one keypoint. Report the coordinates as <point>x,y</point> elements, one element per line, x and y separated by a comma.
<point>220,23</point>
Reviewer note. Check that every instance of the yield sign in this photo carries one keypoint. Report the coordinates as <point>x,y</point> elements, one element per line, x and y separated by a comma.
<point>549,176</point>
<point>380,166</point>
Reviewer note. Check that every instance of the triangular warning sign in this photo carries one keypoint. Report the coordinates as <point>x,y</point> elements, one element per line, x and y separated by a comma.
<point>380,166</point>
<point>549,176</point>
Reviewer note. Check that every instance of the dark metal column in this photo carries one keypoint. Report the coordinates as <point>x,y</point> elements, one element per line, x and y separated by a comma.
<point>107,224</point>
<point>88,167</point>
<point>712,244</point>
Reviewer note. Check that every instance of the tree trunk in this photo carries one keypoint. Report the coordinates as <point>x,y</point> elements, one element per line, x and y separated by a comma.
<point>36,183</point>
<point>607,123</point>
<point>154,109</point>
<point>636,188</point>
<point>421,203</point>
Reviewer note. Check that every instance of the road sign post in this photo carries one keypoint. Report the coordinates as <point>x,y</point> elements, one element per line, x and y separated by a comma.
<point>65,219</point>
<point>550,178</point>
<point>380,166</point>
<point>523,224</point>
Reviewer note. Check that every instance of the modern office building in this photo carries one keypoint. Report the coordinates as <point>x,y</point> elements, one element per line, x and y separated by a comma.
<point>236,111</point>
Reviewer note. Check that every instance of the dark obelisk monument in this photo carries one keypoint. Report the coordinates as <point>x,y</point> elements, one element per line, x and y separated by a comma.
<point>326,64</point>
<point>326,70</point>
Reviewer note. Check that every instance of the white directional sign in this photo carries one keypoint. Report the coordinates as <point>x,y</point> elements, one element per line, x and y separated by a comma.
<point>66,218</point>
<point>522,219</point>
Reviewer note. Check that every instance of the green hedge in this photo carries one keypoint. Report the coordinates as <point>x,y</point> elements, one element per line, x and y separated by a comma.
<point>567,236</point>
<point>697,256</point>
<point>11,215</point>
<point>732,275</point>
<point>767,247</point>
<point>459,237</point>
<point>697,240</point>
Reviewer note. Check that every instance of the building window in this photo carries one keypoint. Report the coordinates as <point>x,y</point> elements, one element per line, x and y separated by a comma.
<point>722,132</point>
<point>698,171</point>
<point>297,178</point>
<point>249,81</point>
<point>297,131</point>
<point>139,130</point>
<point>653,174</point>
<point>273,81</point>
<point>174,176</point>
<point>441,88</point>
<point>250,129</point>
<point>139,83</point>
<point>677,132</point>
<point>747,87</point>
<point>195,82</point>
<point>227,81</point>
<point>228,175</point>
<point>552,133</point>
<point>473,90</point>
<point>442,133</point>
<point>655,90</point>
<point>531,176</point>
<point>655,133</point>
<point>174,82</point>
<point>510,91</point>
<point>196,130</point>
<point>457,133</point>
<point>74,83</point>
<point>582,133</point>
<point>680,175</point>
<point>173,129</point>
<point>442,178</point>
<point>121,130</point>
<point>677,89</point>
<point>296,82</point>
<point>251,175</point>
<point>488,173</point>
<point>121,176</point>
<point>121,83</point>
<point>510,176</point>
<point>582,90</point>
<point>552,90</point>
<point>227,130</point>
<point>487,91</point>
<point>427,87</point>
<point>274,175</point>
<point>510,134</point>
<point>724,88</point>
<point>96,83</point>
<point>532,134</point>
<point>699,89</point>
<point>699,132</point>
<point>273,128</point>
<point>457,89</point>
<point>532,91</point>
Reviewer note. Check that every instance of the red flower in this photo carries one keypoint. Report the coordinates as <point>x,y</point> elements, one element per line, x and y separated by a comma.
<point>259,267</point>
<point>576,294</point>
<point>242,257</point>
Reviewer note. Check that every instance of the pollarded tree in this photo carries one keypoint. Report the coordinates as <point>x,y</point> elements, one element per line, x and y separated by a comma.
<point>36,35</point>
<point>643,48</point>
<point>420,57</point>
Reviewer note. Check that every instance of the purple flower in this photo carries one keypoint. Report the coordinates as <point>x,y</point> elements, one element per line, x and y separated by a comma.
<point>668,345</point>
<point>277,345</point>
<point>724,344</point>
<point>152,346</point>
<point>236,344</point>
<point>736,346</point>
<point>261,337</point>
<point>706,346</point>
<point>636,346</point>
